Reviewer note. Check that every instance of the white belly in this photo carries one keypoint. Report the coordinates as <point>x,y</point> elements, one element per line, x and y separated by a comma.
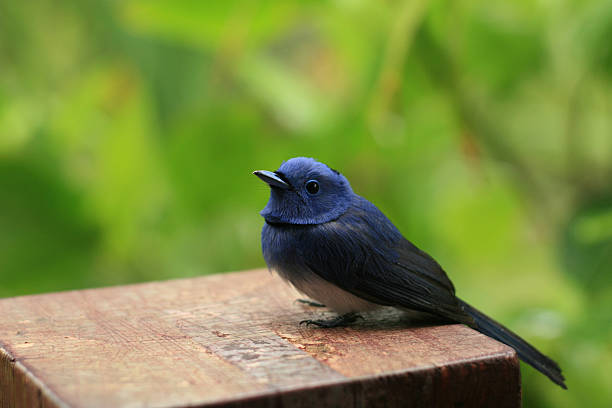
<point>327,293</point>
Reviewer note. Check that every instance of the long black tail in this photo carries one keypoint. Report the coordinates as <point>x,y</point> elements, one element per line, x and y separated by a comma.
<point>525,351</point>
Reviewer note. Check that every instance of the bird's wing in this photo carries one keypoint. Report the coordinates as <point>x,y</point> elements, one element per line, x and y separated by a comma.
<point>364,254</point>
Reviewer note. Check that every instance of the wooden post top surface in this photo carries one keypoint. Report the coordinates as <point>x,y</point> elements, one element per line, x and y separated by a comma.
<point>234,340</point>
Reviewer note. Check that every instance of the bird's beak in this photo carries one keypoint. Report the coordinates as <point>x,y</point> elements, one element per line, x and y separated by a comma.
<point>272,179</point>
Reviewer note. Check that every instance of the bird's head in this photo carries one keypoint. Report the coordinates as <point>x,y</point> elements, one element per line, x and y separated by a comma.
<point>305,191</point>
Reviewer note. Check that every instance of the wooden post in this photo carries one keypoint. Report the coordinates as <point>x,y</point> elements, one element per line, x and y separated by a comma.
<point>233,340</point>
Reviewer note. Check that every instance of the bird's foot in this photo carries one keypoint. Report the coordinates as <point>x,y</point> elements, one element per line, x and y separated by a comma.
<point>338,321</point>
<point>310,303</point>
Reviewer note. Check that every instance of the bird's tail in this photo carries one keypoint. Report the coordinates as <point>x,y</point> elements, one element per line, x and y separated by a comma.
<point>525,351</point>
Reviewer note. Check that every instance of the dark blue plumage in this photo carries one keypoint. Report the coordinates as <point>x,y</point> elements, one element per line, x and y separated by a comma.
<point>339,249</point>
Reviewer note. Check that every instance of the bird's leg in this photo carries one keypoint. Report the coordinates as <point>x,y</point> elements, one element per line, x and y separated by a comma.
<point>310,302</point>
<point>338,321</point>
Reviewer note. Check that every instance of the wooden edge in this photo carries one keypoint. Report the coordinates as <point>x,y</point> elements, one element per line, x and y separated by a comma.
<point>432,386</point>
<point>20,388</point>
<point>477,382</point>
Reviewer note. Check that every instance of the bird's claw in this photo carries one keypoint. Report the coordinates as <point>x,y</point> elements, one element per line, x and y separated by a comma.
<point>338,321</point>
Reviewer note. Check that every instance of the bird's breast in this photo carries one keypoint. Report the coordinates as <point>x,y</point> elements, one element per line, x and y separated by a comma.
<point>284,253</point>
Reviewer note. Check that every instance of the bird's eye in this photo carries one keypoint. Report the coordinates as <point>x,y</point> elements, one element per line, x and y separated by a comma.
<point>312,186</point>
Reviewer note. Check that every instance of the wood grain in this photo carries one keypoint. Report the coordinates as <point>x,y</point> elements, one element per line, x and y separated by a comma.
<point>234,340</point>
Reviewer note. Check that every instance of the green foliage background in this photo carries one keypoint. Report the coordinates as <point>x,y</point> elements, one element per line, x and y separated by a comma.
<point>129,130</point>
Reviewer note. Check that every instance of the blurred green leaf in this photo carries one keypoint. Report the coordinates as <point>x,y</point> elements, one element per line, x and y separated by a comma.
<point>502,49</point>
<point>586,246</point>
<point>241,22</point>
<point>47,240</point>
<point>595,33</point>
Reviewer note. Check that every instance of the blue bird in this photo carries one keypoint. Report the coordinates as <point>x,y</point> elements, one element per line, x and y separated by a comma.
<point>339,249</point>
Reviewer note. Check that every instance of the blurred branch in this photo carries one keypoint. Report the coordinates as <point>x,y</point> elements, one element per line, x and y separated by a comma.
<point>585,178</point>
<point>409,18</point>
<point>573,151</point>
<point>234,41</point>
<point>477,124</point>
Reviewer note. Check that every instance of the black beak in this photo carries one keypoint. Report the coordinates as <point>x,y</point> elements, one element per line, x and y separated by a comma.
<point>272,179</point>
